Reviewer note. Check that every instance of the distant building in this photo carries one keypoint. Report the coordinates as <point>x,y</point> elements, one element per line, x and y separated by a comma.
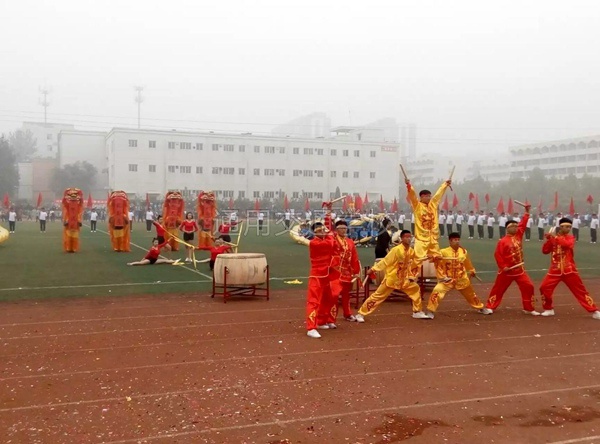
<point>557,158</point>
<point>35,177</point>
<point>310,126</point>
<point>430,170</point>
<point>46,136</point>
<point>493,171</point>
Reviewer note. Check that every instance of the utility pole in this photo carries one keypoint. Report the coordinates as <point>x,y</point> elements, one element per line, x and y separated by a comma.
<point>139,99</point>
<point>44,102</point>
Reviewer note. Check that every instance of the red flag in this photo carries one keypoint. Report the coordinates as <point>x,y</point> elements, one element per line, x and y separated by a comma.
<point>366,201</point>
<point>477,202</point>
<point>471,197</point>
<point>306,205</point>
<point>555,201</point>
<point>539,207</point>
<point>572,207</point>
<point>487,198</point>
<point>445,204</point>
<point>6,201</point>
<point>358,203</point>
<point>454,201</point>
<point>147,202</point>
<point>345,205</point>
<point>286,203</point>
<point>231,203</point>
<point>511,207</point>
<point>39,201</point>
<point>90,202</point>
<point>381,207</point>
<point>590,199</point>
<point>256,205</point>
<point>500,207</point>
<point>394,208</point>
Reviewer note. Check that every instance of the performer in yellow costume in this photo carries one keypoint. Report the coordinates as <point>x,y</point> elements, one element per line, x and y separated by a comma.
<point>454,268</point>
<point>72,213</point>
<point>173,209</point>
<point>401,267</point>
<point>425,210</point>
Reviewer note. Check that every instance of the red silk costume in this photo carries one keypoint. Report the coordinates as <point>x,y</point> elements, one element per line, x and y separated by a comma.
<point>207,213</point>
<point>173,209</point>
<point>319,290</point>
<point>345,265</point>
<point>563,269</point>
<point>118,221</point>
<point>72,214</point>
<point>509,253</point>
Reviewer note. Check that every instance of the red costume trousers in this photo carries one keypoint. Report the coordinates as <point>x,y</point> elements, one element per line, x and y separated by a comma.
<point>502,283</point>
<point>574,283</point>
<point>318,300</point>
<point>339,289</point>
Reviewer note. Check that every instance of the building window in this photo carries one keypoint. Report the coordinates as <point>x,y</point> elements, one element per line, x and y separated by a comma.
<point>296,150</point>
<point>49,137</point>
<point>257,171</point>
<point>269,171</point>
<point>229,171</point>
<point>256,149</point>
<point>133,167</point>
<point>199,146</point>
<point>345,153</point>
<point>297,173</point>
<point>281,172</point>
<point>373,153</point>
<point>319,151</point>
<point>333,152</point>
<point>171,145</point>
<point>171,169</point>
<point>215,170</point>
<point>215,147</point>
<point>242,171</point>
<point>227,193</point>
<point>152,144</point>
<point>228,148</point>
<point>281,150</point>
<point>308,151</point>
<point>295,195</point>
<point>345,174</point>
<point>185,169</point>
<point>132,143</point>
<point>318,195</point>
<point>333,174</point>
<point>372,175</point>
<point>356,174</point>
<point>319,173</point>
<point>198,170</point>
<point>269,194</point>
<point>307,173</point>
<point>185,146</point>
<point>242,148</point>
<point>269,150</point>
<point>49,147</point>
<point>356,153</point>
<point>242,194</point>
<point>256,194</point>
<point>152,168</point>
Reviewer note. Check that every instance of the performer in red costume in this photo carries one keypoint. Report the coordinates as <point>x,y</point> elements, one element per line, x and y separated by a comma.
<point>151,257</point>
<point>509,257</point>
<point>72,213</point>
<point>118,221</point>
<point>345,269</point>
<point>563,269</point>
<point>319,291</point>
<point>188,227</point>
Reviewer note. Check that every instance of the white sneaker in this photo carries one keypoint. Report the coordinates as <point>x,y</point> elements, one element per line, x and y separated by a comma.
<point>187,259</point>
<point>532,313</point>
<point>323,327</point>
<point>596,314</point>
<point>351,318</point>
<point>486,311</point>
<point>431,315</point>
<point>548,313</point>
<point>331,326</point>
<point>420,315</point>
<point>313,334</point>
<point>360,318</point>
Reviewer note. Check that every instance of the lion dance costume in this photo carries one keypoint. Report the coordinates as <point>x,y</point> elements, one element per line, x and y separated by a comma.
<point>118,221</point>
<point>207,212</point>
<point>72,213</point>
<point>173,211</point>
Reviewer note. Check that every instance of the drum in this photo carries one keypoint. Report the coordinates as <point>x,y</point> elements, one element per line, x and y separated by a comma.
<point>243,269</point>
<point>429,270</point>
<point>379,275</point>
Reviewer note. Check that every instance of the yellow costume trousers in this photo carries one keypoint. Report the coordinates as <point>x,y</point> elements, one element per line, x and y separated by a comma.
<point>411,289</point>
<point>440,291</point>
<point>426,248</point>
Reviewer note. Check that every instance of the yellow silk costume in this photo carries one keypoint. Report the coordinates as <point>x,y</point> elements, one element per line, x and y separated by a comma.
<point>453,268</point>
<point>427,230</point>
<point>401,269</point>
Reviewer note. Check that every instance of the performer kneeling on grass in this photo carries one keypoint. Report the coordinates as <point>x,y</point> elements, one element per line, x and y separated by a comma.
<point>189,227</point>
<point>401,267</point>
<point>563,269</point>
<point>151,257</point>
<point>454,268</point>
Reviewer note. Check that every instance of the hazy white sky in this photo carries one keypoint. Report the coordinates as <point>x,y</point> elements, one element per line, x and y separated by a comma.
<point>470,74</point>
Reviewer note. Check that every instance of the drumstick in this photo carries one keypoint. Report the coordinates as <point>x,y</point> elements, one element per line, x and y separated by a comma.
<point>364,282</point>
<point>338,199</point>
<point>452,172</point>
<point>516,265</point>
<point>520,203</point>
<point>403,172</point>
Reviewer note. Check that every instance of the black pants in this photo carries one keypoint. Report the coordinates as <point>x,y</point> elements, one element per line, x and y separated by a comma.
<point>441,229</point>
<point>576,233</point>
<point>448,229</point>
<point>11,226</point>
<point>93,225</point>
<point>540,233</point>
<point>287,224</point>
<point>593,233</point>
<point>502,231</point>
<point>42,225</point>
<point>490,232</point>
<point>459,229</point>
<point>527,233</point>
<point>471,231</point>
<point>480,231</point>
<point>260,225</point>
<point>148,224</point>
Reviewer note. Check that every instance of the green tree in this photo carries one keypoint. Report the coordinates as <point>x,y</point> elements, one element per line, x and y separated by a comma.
<point>23,144</point>
<point>79,174</point>
<point>9,173</point>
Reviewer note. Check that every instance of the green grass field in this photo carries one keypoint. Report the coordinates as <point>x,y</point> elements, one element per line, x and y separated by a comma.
<point>33,265</point>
